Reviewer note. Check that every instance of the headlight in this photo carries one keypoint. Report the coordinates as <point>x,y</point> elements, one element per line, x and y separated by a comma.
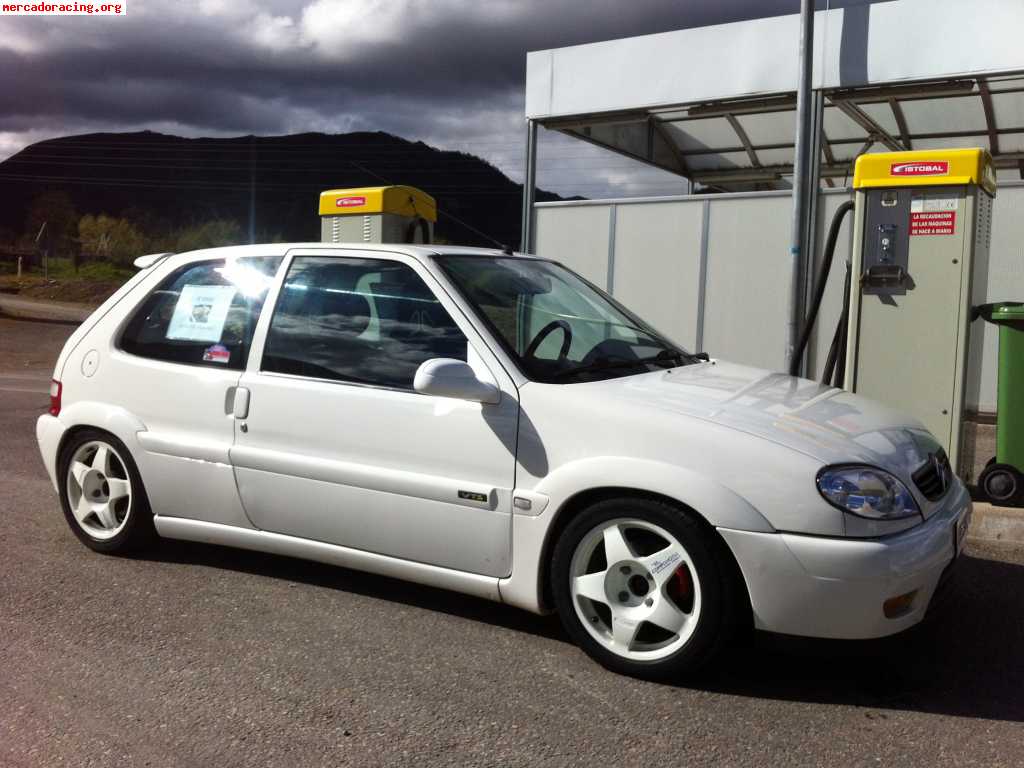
<point>867,492</point>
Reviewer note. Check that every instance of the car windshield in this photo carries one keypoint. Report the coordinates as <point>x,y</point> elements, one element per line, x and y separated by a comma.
<point>559,327</point>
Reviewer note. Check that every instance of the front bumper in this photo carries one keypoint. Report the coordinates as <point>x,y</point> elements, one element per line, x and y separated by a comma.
<point>836,588</point>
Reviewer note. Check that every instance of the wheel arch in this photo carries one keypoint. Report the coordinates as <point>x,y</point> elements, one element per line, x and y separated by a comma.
<point>575,485</point>
<point>90,415</point>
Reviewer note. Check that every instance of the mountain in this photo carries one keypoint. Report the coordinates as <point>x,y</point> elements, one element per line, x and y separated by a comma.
<point>163,181</point>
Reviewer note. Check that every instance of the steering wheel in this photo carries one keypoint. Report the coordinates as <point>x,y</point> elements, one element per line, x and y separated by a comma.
<point>554,325</point>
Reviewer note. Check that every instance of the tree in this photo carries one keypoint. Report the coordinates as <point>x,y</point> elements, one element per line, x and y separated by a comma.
<point>111,239</point>
<point>210,234</point>
<point>58,212</point>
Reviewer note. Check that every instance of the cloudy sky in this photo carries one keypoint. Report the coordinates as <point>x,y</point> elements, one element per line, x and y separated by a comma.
<point>448,72</point>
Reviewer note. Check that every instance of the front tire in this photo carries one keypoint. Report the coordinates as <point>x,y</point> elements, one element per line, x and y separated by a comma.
<point>101,494</point>
<point>640,586</point>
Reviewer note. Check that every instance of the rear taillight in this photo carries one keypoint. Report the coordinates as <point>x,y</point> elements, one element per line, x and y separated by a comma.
<point>55,392</point>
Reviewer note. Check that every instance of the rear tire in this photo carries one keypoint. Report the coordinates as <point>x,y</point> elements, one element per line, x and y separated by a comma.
<point>640,586</point>
<point>102,495</point>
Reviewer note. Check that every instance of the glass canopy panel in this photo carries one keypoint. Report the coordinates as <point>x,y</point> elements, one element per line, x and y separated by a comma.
<point>877,147</point>
<point>1006,83</point>
<point>782,156</point>
<point>664,153</point>
<point>704,133</point>
<point>1008,109</point>
<point>710,143</point>
<point>629,137</point>
<point>715,162</point>
<point>953,142</point>
<point>882,114</point>
<point>847,150</point>
<point>769,127</point>
<point>953,113</point>
<point>1011,142</point>
<point>838,126</point>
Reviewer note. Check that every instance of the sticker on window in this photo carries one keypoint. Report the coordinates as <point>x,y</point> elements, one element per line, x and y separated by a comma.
<point>201,312</point>
<point>218,353</point>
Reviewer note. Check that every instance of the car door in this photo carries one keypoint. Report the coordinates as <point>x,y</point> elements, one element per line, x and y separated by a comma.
<point>336,446</point>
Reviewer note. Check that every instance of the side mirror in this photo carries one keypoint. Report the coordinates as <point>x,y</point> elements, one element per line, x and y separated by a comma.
<point>446,377</point>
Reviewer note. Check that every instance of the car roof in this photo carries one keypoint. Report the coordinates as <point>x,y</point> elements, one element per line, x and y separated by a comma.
<point>279,249</point>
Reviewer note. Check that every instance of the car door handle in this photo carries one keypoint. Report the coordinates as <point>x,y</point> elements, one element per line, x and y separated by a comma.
<point>240,409</point>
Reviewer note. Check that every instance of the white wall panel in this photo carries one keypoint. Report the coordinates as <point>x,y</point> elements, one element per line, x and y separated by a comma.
<point>656,267</point>
<point>577,236</point>
<point>1005,283</point>
<point>748,280</point>
<point>659,275</point>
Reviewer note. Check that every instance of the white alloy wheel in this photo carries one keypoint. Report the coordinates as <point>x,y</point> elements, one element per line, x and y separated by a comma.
<point>99,489</point>
<point>635,589</point>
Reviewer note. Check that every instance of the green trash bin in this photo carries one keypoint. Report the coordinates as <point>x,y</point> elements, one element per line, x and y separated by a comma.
<point>1002,481</point>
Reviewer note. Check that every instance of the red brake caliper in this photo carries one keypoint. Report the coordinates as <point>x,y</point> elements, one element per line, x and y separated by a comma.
<point>680,587</point>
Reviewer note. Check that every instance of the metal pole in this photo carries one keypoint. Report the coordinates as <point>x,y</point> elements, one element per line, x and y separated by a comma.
<point>529,187</point>
<point>810,262</point>
<point>798,245</point>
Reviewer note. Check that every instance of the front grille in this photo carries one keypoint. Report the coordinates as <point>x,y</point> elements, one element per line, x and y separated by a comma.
<point>934,477</point>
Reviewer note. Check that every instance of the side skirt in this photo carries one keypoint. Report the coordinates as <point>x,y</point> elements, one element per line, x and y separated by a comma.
<point>332,554</point>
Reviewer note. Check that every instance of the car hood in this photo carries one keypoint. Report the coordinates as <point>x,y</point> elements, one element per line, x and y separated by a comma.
<point>828,424</point>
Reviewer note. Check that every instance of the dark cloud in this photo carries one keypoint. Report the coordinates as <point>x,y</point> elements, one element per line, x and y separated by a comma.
<point>447,71</point>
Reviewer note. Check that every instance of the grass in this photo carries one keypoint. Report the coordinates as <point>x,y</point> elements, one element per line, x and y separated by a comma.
<point>94,270</point>
<point>63,269</point>
<point>91,284</point>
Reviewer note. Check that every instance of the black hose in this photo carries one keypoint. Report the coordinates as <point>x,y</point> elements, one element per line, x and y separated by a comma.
<point>843,326</point>
<point>830,361</point>
<point>835,364</point>
<point>819,288</point>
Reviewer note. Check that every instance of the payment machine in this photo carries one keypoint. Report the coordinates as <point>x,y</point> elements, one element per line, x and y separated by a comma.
<point>395,214</point>
<point>922,226</point>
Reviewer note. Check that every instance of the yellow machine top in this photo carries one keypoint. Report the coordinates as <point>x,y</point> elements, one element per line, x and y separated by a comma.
<point>926,167</point>
<point>399,200</point>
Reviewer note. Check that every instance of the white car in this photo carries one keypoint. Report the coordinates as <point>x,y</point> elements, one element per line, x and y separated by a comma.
<point>493,424</point>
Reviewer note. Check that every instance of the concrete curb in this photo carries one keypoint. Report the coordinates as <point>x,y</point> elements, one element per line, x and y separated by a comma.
<point>996,524</point>
<point>18,308</point>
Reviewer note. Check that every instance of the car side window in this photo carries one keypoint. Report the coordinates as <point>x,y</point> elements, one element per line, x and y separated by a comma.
<point>368,321</point>
<point>202,314</point>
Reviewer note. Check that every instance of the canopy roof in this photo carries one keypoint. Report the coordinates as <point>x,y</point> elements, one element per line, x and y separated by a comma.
<point>717,104</point>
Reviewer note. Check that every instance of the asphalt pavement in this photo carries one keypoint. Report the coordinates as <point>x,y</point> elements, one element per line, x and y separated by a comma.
<point>195,655</point>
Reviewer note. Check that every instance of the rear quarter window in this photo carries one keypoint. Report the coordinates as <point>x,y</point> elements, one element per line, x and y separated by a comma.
<point>204,313</point>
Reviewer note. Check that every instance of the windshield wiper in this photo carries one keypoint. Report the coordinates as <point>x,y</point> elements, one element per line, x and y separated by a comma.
<point>673,354</point>
<point>605,363</point>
